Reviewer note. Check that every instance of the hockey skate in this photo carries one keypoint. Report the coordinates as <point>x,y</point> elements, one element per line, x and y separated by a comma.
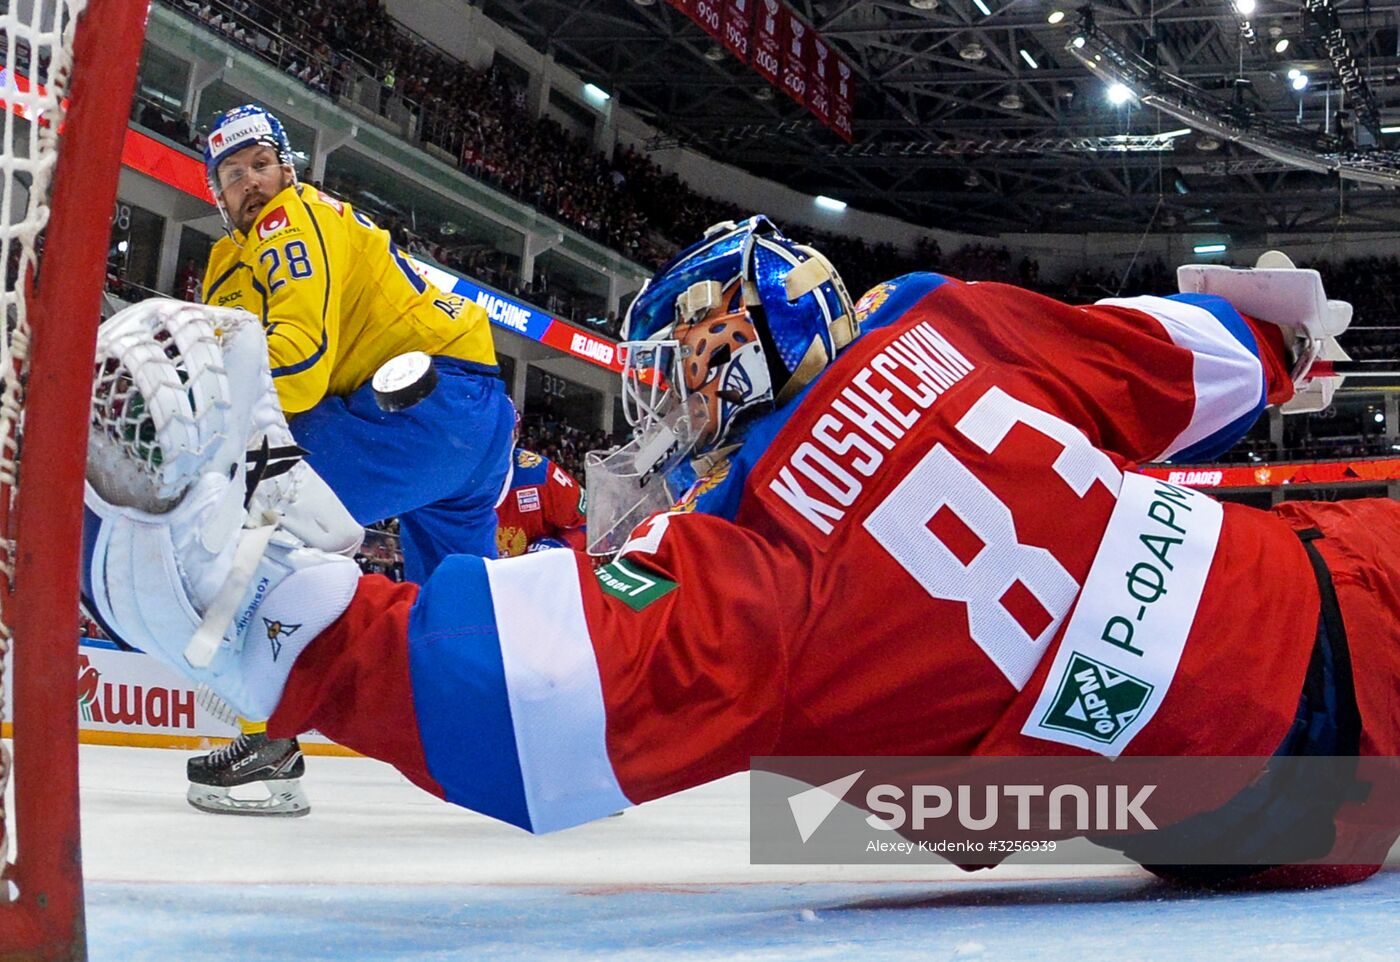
<point>255,764</point>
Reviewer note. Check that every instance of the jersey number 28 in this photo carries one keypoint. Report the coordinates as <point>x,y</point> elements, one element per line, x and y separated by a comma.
<point>298,263</point>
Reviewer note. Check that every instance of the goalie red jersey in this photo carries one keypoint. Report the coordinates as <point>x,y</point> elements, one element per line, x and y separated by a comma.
<point>544,507</point>
<point>938,548</point>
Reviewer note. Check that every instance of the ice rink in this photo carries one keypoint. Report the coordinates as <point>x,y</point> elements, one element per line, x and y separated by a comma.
<point>380,870</point>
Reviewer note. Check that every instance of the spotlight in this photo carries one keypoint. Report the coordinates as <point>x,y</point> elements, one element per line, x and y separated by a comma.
<point>1245,7</point>
<point>1300,82</point>
<point>1281,46</point>
<point>1119,94</point>
<point>1056,16</point>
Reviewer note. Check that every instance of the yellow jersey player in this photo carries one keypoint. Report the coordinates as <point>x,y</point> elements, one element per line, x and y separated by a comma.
<point>345,312</point>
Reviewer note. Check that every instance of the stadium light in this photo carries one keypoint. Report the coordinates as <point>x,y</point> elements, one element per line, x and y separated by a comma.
<point>1210,249</point>
<point>1300,82</point>
<point>1245,7</point>
<point>596,94</point>
<point>1119,94</point>
<point>830,203</point>
<point>1281,46</point>
<point>1056,16</point>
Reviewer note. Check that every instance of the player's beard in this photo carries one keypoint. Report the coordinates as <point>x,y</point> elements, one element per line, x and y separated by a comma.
<point>248,211</point>
<point>255,200</point>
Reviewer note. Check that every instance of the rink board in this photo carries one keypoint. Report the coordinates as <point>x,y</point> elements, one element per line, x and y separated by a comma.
<point>129,698</point>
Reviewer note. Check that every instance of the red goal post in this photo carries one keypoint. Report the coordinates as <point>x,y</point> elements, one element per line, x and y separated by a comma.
<point>51,307</point>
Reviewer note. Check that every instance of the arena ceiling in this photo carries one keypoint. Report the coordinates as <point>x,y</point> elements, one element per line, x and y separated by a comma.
<point>954,128</point>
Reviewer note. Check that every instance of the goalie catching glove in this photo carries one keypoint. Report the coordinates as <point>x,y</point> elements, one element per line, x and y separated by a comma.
<point>1292,299</point>
<point>208,542</point>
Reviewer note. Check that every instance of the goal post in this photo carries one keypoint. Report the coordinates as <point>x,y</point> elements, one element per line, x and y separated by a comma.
<point>82,53</point>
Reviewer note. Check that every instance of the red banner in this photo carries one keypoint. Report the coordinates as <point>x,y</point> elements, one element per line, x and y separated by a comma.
<point>819,80</point>
<point>738,27</point>
<point>709,15</point>
<point>784,50</point>
<point>166,164</point>
<point>797,46</point>
<point>843,95</point>
<point>1269,475</point>
<point>768,30</point>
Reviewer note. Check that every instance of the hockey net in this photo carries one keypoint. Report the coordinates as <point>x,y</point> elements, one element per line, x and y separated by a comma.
<point>65,84</point>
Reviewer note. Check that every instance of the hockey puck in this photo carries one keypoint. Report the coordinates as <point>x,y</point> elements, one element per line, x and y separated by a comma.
<point>403,381</point>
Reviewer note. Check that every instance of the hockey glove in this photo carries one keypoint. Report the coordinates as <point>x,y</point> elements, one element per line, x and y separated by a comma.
<point>1293,299</point>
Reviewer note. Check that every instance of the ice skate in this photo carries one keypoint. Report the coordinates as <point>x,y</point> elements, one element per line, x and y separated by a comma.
<point>266,772</point>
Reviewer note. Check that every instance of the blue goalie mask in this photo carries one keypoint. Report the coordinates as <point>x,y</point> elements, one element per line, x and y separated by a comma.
<point>739,322</point>
<point>236,129</point>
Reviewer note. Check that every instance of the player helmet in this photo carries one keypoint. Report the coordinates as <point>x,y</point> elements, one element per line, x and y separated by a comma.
<point>238,128</point>
<point>742,320</point>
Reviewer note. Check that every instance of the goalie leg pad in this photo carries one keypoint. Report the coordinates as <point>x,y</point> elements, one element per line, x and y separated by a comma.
<point>140,574</point>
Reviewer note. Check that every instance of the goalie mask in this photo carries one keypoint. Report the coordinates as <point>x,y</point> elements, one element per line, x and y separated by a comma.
<point>730,328</point>
<point>743,320</point>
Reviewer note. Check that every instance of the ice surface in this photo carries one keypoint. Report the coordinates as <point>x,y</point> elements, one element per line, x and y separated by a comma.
<point>380,870</point>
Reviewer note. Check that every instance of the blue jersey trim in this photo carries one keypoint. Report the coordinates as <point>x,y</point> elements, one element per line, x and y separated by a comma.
<point>905,291</point>
<point>209,295</point>
<point>307,363</point>
<point>722,501</point>
<point>536,475</point>
<point>1216,444</point>
<point>460,696</point>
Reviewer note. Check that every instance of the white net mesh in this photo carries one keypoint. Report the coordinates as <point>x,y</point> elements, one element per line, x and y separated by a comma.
<point>36,44</point>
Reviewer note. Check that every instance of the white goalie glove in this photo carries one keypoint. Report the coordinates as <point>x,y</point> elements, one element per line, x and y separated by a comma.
<point>1293,299</point>
<point>207,539</point>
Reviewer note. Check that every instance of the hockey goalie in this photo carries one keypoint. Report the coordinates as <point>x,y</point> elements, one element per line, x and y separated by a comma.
<point>887,528</point>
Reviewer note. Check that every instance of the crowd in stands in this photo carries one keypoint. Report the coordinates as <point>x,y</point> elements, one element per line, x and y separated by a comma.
<point>480,118</point>
<point>152,116</point>
<point>302,51</point>
<point>561,442</point>
<point>629,203</point>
